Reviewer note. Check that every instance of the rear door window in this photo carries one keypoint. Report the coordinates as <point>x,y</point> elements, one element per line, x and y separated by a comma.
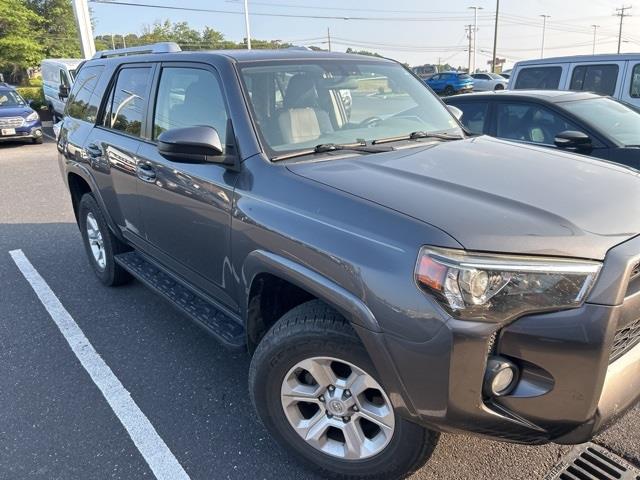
<point>635,82</point>
<point>528,122</point>
<point>475,115</point>
<point>600,79</point>
<point>539,78</point>
<point>128,101</point>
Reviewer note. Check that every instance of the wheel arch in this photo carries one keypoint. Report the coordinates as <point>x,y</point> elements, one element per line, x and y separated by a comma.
<point>298,283</point>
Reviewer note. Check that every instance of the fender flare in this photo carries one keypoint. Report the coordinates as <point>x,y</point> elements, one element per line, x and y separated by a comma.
<point>350,306</point>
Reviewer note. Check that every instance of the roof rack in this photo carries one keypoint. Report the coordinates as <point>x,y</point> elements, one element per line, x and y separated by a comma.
<point>161,47</point>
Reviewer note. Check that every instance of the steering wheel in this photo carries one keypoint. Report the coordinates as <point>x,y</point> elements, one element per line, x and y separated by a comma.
<point>370,121</point>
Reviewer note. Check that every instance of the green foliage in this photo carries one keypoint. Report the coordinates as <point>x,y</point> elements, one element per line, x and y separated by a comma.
<point>363,52</point>
<point>58,33</point>
<point>19,49</point>
<point>34,94</point>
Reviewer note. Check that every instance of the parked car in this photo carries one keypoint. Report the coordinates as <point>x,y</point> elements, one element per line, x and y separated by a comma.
<point>390,276</point>
<point>18,121</point>
<point>581,122</point>
<point>483,82</point>
<point>615,75</point>
<point>425,72</point>
<point>57,77</point>
<point>506,73</point>
<point>450,83</point>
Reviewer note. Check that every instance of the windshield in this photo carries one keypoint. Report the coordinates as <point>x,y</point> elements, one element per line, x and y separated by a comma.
<point>613,118</point>
<point>9,98</point>
<point>495,76</point>
<point>298,105</point>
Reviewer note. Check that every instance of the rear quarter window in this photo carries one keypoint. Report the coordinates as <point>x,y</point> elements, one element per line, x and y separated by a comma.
<point>635,82</point>
<point>538,78</point>
<point>83,103</point>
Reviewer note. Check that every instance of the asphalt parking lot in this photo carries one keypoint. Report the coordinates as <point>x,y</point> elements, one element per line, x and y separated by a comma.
<point>56,424</point>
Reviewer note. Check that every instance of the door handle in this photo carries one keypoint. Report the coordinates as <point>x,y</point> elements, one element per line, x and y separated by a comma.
<point>93,150</point>
<point>146,172</point>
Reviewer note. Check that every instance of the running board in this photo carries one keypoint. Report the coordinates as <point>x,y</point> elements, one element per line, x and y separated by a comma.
<point>221,325</point>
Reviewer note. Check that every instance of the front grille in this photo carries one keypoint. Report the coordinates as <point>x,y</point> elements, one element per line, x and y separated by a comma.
<point>624,340</point>
<point>11,122</point>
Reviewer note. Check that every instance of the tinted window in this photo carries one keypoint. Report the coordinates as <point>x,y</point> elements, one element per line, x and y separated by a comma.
<point>188,97</point>
<point>609,116</point>
<point>128,100</point>
<point>530,123</point>
<point>475,115</point>
<point>539,78</point>
<point>82,103</point>
<point>595,78</point>
<point>635,82</point>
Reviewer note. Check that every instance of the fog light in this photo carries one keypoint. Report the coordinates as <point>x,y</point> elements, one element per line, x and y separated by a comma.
<point>500,378</point>
<point>38,133</point>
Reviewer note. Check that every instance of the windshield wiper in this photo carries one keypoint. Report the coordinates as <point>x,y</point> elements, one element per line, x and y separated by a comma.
<point>416,136</point>
<point>332,147</point>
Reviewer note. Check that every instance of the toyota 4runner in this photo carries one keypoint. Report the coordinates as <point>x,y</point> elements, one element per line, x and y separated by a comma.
<point>391,276</point>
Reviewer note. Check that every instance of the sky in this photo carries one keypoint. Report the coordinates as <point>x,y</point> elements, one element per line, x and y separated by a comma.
<point>411,31</point>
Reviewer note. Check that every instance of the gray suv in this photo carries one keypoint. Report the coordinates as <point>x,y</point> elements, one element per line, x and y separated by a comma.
<point>391,276</point>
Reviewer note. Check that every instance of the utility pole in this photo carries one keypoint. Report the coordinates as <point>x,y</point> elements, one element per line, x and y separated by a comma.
<point>329,37</point>
<point>495,38</point>
<point>83,21</point>
<point>544,30</point>
<point>475,36</point>
<point>469,29</point>
<point>595,32</point>
<point>246,23</point>
<point>621,12</point>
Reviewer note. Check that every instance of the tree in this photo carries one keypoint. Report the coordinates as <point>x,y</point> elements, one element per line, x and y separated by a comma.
<point>58,32</point>
<point>20,49</point>
<point>363,52</point>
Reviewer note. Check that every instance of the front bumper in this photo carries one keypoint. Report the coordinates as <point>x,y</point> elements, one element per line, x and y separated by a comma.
<point>30,130</point>
<point>580,368</point>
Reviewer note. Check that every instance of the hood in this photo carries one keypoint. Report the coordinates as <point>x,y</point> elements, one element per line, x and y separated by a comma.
<point>21,111</point>
<point>496,196</point>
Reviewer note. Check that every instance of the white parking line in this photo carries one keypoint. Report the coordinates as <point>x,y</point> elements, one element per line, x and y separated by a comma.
<point>162,462</point>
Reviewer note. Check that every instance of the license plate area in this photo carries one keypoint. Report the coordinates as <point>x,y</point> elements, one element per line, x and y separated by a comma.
<point>8,131</point>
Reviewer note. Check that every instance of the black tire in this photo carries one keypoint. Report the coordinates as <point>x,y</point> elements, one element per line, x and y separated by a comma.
<point>499,87</point>
<point>112,274</point>
<point>449,90</point>
<point>315,329</point>
<point>36,140</point>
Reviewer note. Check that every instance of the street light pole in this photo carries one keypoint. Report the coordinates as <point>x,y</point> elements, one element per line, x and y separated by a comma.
<point>544,30</point>
<point>595,31</point>
<point>495,38</point>
<point>246,23</point>
<point>83,21</point>
<point>475,35</point>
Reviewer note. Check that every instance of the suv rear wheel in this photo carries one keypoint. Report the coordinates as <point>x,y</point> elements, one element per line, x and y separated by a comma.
<point>100,244</point>
<point>316,390</point>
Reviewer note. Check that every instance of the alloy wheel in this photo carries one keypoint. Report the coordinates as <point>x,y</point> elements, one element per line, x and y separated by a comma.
<point>96,243</point>
<point>337,408</point>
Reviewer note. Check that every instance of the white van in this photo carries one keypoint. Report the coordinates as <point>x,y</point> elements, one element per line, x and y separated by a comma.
<point>57,77</point>
<point>615,75</point>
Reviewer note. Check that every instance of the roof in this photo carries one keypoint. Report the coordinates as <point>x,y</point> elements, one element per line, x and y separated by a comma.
<point>553,96</point>
<point>70,62</point>
<point>289,54</point>
<point>606,57</point>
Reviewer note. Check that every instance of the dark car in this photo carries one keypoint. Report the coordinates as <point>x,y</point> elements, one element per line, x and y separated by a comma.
<point>18,121</point>
<point>390,276</point>
<point>450,83</point>
<point>580,122</point>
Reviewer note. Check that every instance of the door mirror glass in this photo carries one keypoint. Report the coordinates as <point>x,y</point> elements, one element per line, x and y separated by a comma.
<point>572,140</point>
<point>455,111</point>
<point>63,91</point>
<point>191,145</point>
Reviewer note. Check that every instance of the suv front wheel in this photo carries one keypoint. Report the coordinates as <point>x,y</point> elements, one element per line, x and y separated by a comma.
<point>316,390</point>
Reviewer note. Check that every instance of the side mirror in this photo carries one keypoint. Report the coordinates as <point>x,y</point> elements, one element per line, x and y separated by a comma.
<point>191,145</point>
<point>455,111</point>
<point>572,140</point>
<point>63,92</point>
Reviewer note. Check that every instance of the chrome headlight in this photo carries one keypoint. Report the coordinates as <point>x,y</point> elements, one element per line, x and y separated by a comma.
<point>32,117</point>
<point>495,288</point>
